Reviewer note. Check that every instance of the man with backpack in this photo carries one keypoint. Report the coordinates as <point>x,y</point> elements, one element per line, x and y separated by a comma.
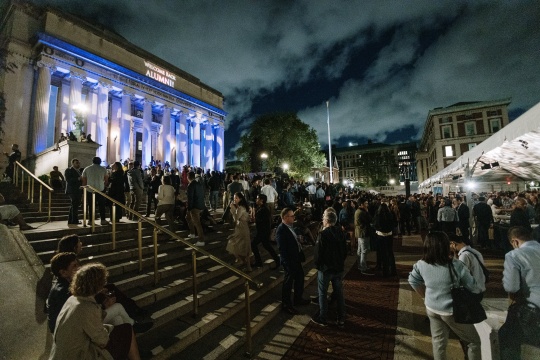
<point>472,259</point>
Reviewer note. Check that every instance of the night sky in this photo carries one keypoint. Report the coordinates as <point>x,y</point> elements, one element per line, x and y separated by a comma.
<point>382,64</point>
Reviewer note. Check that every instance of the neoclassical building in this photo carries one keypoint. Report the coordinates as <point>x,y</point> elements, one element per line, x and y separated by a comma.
<point>134,104</point>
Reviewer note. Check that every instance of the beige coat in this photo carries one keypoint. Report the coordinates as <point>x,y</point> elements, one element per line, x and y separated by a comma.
<point>80,333</point>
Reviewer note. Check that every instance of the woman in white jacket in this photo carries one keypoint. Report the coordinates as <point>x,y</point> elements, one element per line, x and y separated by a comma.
<point>166,200</point>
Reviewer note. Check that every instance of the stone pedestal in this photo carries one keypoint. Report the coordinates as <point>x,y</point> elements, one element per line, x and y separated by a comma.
<point>61,156</point>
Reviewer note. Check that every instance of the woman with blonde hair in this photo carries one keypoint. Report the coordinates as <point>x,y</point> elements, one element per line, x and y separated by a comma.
<point>80,332</point>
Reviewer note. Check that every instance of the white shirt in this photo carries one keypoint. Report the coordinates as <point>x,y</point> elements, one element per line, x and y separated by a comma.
<point>311,189</point>
<point>270,192</point>
<point>95,176</point>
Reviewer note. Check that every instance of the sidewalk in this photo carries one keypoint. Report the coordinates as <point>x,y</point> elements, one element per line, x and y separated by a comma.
<point>385,317</point>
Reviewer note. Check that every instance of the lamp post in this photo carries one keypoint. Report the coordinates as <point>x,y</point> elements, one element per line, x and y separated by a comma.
<point>329,142</point>
<point>285,167</point>
<point>264,156</point>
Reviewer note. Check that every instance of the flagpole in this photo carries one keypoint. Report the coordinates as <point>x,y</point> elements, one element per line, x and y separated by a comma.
<point>329,143</point>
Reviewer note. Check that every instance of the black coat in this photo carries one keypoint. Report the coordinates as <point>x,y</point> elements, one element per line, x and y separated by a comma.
<point>73,181</point>
<point>263,223</point>
<point>331,250</point>
<point>289,249</point>
<point>463,215</point>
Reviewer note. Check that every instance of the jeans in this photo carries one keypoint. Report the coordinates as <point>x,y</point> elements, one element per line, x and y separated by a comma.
<point>214,195</point>
<point>363,248</point>
<point>441,325</point>
<point>323,280</point>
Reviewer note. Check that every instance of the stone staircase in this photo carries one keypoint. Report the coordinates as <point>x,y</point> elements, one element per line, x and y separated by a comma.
<point>218,330</point>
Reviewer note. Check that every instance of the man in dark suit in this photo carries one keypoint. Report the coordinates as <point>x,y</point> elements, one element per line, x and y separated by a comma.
<point>73,189</point>
<point>484,218</point>
<point>263,224</point>
<point>291,255</point>
<point>463,219</point>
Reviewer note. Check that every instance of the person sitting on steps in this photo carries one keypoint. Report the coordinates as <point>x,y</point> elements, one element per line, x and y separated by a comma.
<point>11,213</point>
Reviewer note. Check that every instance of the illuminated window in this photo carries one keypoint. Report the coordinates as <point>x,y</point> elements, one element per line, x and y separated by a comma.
<point>446,131</point>
<point>448,151</point>
<point>495,125</point>
<point>139,145</point>
<point>470,128</point>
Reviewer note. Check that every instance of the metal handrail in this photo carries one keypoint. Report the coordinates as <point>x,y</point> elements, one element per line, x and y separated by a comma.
<point>194,251</point>
<point>31,180</point>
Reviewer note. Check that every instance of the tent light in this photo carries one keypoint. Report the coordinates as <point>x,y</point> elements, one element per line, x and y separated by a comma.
<point>471,185</point>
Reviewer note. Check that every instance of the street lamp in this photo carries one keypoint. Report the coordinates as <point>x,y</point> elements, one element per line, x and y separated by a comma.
<point>285,166</point>
<point>392,181</point>
<point>264,156</point>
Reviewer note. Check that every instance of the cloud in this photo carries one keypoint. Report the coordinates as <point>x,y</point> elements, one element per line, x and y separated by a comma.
<point>485,53</point>
<point>382,64</point>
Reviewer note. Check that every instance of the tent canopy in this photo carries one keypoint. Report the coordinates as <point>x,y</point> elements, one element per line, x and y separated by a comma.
<point>511,154</point>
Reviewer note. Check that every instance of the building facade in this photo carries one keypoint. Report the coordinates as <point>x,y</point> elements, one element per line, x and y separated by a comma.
<point>451,131</point>
<point>374,163</point>
<point>134,104</point>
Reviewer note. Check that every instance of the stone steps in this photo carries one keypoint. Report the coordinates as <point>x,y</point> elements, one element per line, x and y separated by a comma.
<point>176,332</point>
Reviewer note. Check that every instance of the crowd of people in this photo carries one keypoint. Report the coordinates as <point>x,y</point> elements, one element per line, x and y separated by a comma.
<point>337,220</point>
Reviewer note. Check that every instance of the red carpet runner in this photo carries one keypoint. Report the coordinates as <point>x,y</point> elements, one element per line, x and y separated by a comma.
<point>369,333</point>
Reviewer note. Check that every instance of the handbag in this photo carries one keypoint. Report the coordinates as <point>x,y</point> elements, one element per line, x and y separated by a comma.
<point>466,305</point>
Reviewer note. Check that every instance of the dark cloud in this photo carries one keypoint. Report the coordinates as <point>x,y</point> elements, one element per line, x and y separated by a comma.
<point>382,64</point>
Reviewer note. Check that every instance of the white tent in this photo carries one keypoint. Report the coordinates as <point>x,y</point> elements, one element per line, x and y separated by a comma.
<point>511,154</point>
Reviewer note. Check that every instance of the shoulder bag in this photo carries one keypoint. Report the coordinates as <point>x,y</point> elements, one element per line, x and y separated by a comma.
<point>484,269</point>
<point>467,308</point>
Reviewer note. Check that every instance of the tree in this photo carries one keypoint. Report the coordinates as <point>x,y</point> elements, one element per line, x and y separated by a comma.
<point>284,138</point>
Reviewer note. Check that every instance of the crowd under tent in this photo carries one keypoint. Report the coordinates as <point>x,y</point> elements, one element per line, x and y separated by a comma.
<point>508,160</point>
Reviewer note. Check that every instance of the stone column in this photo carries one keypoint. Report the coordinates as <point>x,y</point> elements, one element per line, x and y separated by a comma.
<point>196,123</point>
<point>209,146</point>
<point>75,98</point>
<point>91,116</point>
<point>102,130</point>
<point>182,141</point>
<point>125,126</point>
<point>165,136</point>
<point>64,107</point>
<point>220,150</point>
<point>146,132</point>
<point>114,130</point>
<point>41,117</point>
